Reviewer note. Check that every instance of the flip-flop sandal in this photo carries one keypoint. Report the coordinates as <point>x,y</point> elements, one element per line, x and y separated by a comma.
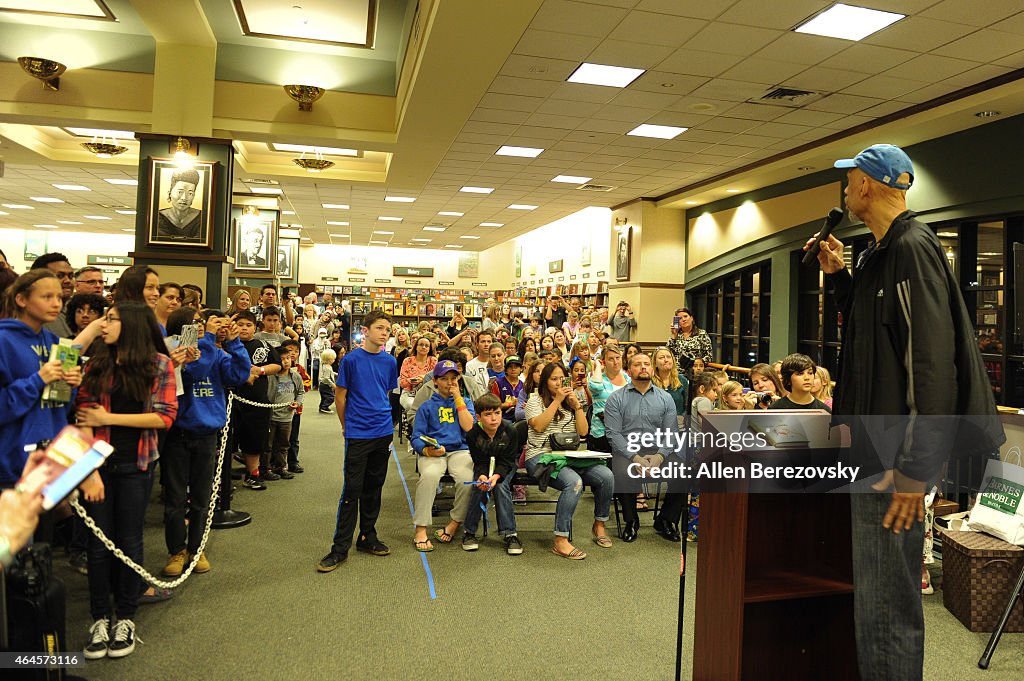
<point>641,504</point>
<point>604,541</point>
<point>443,537</point>
<point>575,554</point>
<point>423,546</point>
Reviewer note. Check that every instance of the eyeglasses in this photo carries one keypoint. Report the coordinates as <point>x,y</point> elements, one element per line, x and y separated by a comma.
<point>109,319</point>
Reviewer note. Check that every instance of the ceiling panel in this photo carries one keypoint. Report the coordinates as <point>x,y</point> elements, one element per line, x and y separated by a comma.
<point>646,28</point>
<point>731,39</point>
<point>567,46</point>
<point>562,15</point>
<point>698,62</point>
<point>629,54</point>
<point>705,9</point>
<point>973,13</point>
<point>780,15</point>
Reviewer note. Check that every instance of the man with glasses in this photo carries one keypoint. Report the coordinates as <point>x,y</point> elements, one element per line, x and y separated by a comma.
<point>89,280</point>
<point>58,264</point>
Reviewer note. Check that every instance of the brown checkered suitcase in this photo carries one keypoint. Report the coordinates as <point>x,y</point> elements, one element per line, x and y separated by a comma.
<point>978,574</point>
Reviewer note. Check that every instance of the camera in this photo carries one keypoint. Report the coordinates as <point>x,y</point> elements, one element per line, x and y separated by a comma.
<point>764,398</point>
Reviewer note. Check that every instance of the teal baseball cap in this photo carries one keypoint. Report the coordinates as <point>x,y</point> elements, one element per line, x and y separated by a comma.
<point>882,162</point>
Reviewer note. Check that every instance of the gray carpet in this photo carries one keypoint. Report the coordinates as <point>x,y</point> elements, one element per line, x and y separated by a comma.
<point>263,612</point>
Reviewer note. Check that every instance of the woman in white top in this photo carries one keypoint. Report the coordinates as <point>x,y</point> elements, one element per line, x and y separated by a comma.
<point>554,408</point>
<point>491,320</point>
<point>561,346</point>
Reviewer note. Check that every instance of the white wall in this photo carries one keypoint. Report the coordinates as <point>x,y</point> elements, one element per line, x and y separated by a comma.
<point>75,245</point>
<point>564,240</point>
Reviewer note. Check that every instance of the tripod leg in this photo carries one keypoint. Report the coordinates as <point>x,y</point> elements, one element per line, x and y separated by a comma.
<point>993,640</point>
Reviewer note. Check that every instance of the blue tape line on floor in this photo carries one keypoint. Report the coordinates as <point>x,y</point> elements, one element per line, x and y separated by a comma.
<point>408,497</point>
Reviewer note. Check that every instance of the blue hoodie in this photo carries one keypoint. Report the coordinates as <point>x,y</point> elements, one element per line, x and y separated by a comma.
<point>23,418</point>
<point>437,418</point>
<point>202,408</point>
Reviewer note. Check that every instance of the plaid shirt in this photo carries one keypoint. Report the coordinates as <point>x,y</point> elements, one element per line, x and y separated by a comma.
<point>163,401</point>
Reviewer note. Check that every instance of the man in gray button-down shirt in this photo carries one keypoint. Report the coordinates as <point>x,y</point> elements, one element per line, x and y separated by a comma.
<point>641,408</point>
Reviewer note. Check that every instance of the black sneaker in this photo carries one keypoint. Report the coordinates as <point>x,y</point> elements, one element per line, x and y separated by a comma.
<point>99,637</point>
<point>252,482</point>
<point>268,475</point>
<point>123,642</point>
<point>331,561</point>
<point>469,542</point>
<point>513,546</point>
<point>79,561</point>
<point>283,473</point>
<point>372,545</point>
<point>296,469</point>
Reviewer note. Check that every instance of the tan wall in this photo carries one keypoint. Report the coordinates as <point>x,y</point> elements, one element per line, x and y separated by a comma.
<point>713,234</point>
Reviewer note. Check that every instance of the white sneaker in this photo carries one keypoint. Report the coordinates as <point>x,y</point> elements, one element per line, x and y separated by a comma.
<point>124,639</point>
<point>99,637</point>
<point>926,584</point>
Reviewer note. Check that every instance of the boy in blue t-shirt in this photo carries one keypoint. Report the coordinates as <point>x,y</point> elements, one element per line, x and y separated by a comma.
<point>365,377</point>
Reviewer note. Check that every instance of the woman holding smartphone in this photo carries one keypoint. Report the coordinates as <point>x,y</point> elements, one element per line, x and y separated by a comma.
<point>127,396</point>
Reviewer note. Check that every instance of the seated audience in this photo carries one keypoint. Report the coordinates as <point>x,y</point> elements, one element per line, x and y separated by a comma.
<point>798,379</point>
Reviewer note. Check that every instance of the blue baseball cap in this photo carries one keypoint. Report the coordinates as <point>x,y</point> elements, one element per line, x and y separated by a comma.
<point>445,366</point>
<point>882,162</point>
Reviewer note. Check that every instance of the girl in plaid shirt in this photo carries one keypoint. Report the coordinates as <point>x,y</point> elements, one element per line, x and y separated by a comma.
<point>128,394</point>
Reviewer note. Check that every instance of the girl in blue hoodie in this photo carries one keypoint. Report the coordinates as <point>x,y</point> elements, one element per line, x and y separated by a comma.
<point>33,300</point>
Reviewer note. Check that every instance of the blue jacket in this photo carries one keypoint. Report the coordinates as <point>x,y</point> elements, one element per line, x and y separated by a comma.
<point>203,405</point>
<point>437,418</point>
<point>23,418</point>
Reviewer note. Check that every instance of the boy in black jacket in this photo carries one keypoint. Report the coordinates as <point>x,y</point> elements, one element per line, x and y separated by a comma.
<point>492,439</point>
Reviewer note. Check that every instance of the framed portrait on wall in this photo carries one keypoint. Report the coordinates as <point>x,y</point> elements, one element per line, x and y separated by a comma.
<point>287,269</point>
<point>519,260</point>
<point>255,243</point>
<point>180,204</point>
<point>555,266</point>
<point>469,265</point>
<point>622,253</point>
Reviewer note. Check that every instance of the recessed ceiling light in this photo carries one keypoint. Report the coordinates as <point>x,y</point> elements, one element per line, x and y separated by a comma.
<point>17,206</point>
<point>453,245</point>
<point>661,132</point>
<point>602,74</point>
<point>339,206</point>
<point>287,212</point>
<point>388,218</point>
<point>423,241</point>
<point>45,199</point>
<point>265,190</point>
<point>123,229</point>
<point>98,132</point>
<point>378,243</point>
<point>72,187</point>
<point>477,190</point>
<point>492,224</point>
<point>521,206</point>
<point>337,223</point>
<point>325,151</point>
<point>525,152</point>
<point>49,226</point>
<point>692,203</point>
<point>987,114</point>
<point>469,236</point>
<point>380,231</point>
<point>732,191</point>
<point>400,199</point>
<point>948,235</point>
<point>452,213</point>
<point>125,212</point>
<point>432,228</point>
<point>97,217</point>
<point>571,179</point>
<point>986,254</point>
<point>71,222</point>
<point>118,180</point>
<point>848,22</point>
<point>340,236</point>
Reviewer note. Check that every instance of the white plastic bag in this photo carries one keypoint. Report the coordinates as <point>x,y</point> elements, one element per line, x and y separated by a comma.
<point>999,510</point>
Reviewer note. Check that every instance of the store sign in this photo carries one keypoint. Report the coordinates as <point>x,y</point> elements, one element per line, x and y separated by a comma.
<point>382,281</point>
<point>355,280</point>
<point>601,273</point>
<point>108,260</point>
<point>413,281</point>
<point>413,271</point>
<point>586,275</point>
<point>328,279</point>
<point>446,283</point>
<point>480,283</point>
<point>572,277</point>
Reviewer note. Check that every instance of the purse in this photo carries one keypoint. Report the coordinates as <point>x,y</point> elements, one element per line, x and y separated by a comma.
<point>564,442</point>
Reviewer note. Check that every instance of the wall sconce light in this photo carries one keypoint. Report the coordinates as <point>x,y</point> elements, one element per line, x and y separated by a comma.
<point>313,165</point>
<point>305,95</point>
<point>44,69</point>
<point>183,153</point>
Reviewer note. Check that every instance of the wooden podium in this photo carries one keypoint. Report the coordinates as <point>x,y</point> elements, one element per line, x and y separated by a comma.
<point>774,583</point>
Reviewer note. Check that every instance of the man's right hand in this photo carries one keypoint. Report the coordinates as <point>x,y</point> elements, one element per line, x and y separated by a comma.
<point>51,371</point>
<point>830,256</point>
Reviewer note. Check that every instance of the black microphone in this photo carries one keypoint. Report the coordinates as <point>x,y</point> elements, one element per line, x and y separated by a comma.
<point>834,217</point>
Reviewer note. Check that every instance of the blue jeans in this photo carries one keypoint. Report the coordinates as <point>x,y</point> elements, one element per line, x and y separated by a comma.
<point>502,494</point>
<point>293,442</point>
<point>121,515</point>
<point>570,482</point>
<point>888,619</point>
<point>326,396</point>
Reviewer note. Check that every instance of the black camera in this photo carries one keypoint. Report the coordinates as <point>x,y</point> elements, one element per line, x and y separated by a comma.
<point>765,398</point>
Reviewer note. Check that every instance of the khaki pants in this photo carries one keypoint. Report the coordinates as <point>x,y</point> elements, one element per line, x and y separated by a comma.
<point>431,468</point>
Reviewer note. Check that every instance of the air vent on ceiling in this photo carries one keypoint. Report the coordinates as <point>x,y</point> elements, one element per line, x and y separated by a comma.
<point>787,96</point>
<point>595,188</point>
<point>260,180</point>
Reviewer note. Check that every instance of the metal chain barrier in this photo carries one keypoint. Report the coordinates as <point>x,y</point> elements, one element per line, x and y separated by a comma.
<point>214,496</point>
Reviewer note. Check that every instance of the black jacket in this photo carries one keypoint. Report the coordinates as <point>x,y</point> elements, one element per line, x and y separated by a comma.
<point>504,447</point>
<point>910,355</point>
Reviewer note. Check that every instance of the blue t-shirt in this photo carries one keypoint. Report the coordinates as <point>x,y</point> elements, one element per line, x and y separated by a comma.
<point>368,377</point>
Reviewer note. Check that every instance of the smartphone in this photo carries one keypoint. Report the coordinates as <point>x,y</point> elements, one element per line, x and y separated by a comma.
<point>566,382</point>
<point>189,337</point>
<point>70,458</point>
<point>675,321</point>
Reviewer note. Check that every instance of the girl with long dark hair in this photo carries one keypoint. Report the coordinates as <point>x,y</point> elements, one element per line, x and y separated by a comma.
<point>127,396</point>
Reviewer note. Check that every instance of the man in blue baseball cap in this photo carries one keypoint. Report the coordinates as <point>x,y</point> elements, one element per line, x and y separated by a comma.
<point>905,326</point>
<point>439,439</point>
